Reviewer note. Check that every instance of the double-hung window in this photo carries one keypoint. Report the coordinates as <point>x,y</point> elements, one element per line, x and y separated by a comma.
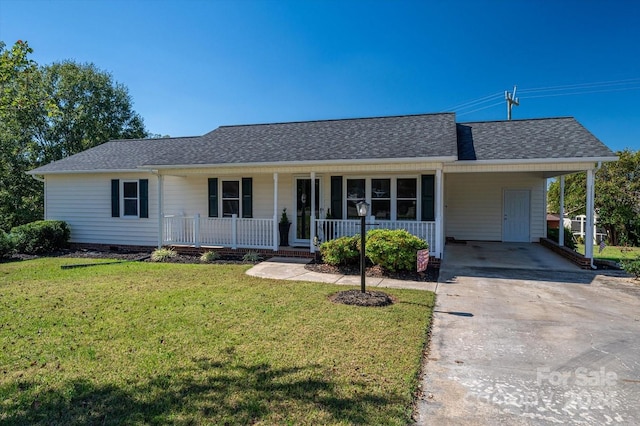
<point>355,192</point>
<point>130,198</point>
<point>406,198</point>
<point>230,198</point>
<point>390,198</point>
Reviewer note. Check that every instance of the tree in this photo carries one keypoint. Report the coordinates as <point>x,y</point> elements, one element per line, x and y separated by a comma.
<point>88,109</point>
<point>49,113</point>
<point>617,197</point>
<point>23,106</point>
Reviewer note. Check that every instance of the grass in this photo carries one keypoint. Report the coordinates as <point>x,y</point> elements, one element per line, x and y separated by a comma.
<point>613,253</point>
<point>148,343</point>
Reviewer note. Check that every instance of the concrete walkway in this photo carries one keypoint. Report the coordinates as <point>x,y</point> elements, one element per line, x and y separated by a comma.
<point>283,268</point>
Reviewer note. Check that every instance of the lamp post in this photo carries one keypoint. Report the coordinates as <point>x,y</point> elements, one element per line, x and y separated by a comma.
<point>363,210</point>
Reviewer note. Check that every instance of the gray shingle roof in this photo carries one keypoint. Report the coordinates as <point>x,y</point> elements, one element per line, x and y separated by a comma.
<point>550,138</point>
<point>380,138</point>
<point>411,136</point>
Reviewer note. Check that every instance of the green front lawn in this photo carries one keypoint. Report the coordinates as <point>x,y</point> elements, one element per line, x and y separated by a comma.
<point>613,253</point>
<point>144,343</point>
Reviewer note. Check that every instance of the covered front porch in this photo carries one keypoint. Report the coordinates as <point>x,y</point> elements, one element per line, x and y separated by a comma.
<point>243,210</point>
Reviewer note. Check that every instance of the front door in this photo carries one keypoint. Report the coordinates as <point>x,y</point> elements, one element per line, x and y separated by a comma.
<point>516,223</point>
<point>303,210</point>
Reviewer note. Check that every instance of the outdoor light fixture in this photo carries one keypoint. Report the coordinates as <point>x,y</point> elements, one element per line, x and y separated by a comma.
<point>363,210</point>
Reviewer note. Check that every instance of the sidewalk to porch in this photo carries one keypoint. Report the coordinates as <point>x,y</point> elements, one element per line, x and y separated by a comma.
<point>293,269</point>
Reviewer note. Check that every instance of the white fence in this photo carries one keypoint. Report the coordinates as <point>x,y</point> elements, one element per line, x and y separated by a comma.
<point>329,229</point>
<point>237,232</point>
<point>231,232</point>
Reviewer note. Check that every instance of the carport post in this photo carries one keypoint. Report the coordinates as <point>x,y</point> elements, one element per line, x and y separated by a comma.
<point>588,232</point>
<point>561,213</point>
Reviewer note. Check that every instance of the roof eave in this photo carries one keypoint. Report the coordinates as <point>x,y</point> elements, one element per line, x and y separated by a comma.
<point>71,172</point>
<point>446,159</point>
<point>540,160</point>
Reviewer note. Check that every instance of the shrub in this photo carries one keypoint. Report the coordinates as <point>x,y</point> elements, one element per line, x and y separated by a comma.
<point>632,267</point>
<point>162,254</point>
<point>42,236</point>
<point>569,238</point>
<point>341,251</point>
<point>251,256</point>
<point>394,250</point>
<point>209,256</point>
<point>6,244</point>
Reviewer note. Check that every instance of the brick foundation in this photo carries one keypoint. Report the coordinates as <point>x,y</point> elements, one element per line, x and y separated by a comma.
<point>111,247</point>
<point>573,256</point>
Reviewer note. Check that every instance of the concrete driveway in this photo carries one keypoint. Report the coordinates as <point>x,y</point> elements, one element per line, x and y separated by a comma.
<point>533,342</point>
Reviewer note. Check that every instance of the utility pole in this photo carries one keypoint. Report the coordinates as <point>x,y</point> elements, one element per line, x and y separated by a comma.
<point>511,101</point>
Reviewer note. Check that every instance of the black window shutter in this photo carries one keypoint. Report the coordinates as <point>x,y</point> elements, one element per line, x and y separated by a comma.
<point>247,197</point>
<point>144,198</point>
<point>336,197</point>
<point>115,197</point>
<point>428,198</point>
<point>213,197</point>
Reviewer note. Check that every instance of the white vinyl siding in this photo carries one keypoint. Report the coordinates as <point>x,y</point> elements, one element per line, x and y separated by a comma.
<point>474,204</point>
<point>84,202</point>
<point>188,196</point>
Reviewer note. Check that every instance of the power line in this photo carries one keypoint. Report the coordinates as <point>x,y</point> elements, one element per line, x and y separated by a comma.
<point>474,102</point>
<point>621,89</point>
<point>479,109</point>
<point>582,85</point>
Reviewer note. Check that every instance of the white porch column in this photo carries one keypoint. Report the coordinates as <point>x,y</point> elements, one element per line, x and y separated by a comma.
<point>312,234</point>
<point>275,212</point>
<point>588,232</point>
<point>439,248</point>
<point>561,213</point>
<point>160,210</point>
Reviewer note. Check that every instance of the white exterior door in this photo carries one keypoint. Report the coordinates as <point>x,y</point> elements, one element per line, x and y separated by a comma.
<point>516,216</point>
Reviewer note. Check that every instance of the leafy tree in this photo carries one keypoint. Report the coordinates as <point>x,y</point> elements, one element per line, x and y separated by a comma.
<point>23,106</point>
<point>88,109</point>
<point>48,113</point>
<point>617,197</point>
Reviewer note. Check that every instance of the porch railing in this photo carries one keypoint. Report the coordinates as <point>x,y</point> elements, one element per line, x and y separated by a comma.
<point>237,232</point>
<point>329,229</point>
<point>231,232</point>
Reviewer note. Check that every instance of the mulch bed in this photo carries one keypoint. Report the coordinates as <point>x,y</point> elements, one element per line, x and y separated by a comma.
<point>124,256</point>
<point>430,275</point>
<point>358,298</point>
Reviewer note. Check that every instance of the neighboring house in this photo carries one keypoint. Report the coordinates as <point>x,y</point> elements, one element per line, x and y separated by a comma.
<point>424,173</point>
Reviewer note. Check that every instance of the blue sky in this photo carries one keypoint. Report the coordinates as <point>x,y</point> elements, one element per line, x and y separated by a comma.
<point>193,65</point>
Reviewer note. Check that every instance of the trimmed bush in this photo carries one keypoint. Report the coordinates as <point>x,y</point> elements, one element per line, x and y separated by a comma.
<point>162,254</point>
<point>341,251</point>
<point>394,250</point>
<point>632,267</point>
<point>209,256</point>
<point>569,238</point>
<point>42,236</point>
<point>6,244</point>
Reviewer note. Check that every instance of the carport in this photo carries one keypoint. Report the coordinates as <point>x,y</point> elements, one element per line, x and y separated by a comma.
<point>483,254</point>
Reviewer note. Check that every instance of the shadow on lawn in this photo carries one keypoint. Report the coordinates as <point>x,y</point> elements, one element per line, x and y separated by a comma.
<point>211,392</point>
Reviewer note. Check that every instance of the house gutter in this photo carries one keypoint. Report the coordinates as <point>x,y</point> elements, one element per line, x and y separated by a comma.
<point>450,159</point>
<point>537,161</point>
